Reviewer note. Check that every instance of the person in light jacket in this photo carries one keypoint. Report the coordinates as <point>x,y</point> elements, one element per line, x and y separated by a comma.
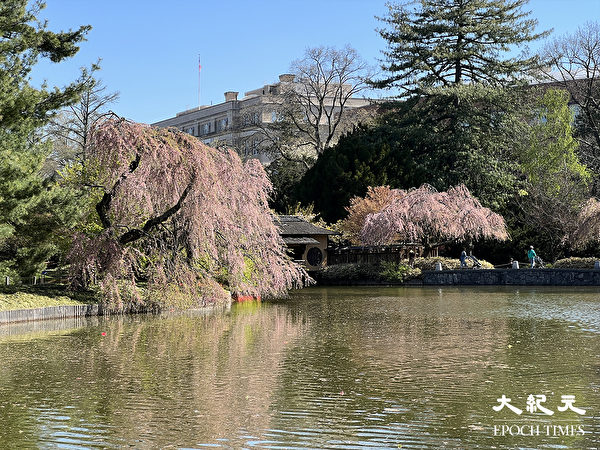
<point>531,255</point>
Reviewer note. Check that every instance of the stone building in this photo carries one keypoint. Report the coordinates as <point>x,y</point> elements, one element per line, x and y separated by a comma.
<point>237,123</point>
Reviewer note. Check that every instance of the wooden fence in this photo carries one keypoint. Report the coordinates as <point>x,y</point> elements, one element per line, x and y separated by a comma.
<point>372,254</point>
<point>52,312</point>
<point>53,276</point>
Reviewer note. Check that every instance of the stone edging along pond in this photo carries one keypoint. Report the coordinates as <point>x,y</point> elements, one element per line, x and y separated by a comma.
<point>485,277</point>
<point>517,277</point>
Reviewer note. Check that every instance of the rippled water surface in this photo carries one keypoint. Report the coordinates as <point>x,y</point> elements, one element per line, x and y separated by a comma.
<point>327,368</point>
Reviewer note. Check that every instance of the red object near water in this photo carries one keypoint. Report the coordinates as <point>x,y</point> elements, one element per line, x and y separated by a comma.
<point>245,298</point>
<point>104,333</point>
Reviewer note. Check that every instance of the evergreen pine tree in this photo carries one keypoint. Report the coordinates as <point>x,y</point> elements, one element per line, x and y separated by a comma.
<point>26,199</point>
<point>440,43</point>
<point>451,58</point>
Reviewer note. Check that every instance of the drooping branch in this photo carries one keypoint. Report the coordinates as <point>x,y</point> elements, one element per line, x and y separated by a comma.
<point>135,234</point>
<point>424,214</point>
<point>196,232</point>
<point>374,201</point>
<point>103,205</point>
<point>587,225</point>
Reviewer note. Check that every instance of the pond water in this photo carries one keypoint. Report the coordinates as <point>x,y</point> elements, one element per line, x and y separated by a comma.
<point>326,368</point>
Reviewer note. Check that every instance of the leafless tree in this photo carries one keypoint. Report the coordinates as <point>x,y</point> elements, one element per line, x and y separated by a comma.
<point>573,63</point>
<point>70,129</point>
<point>315,106</point>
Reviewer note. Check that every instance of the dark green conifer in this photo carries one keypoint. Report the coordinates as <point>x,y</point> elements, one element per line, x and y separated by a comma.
<point>27,200</point>
<point>440,43</point>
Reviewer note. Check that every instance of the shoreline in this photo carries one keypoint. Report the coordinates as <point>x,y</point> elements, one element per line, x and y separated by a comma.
<point>52,302</point>
<point>485,277</point>
<point>472,277</point>
<point>16,316</point>
<point>49,313</point>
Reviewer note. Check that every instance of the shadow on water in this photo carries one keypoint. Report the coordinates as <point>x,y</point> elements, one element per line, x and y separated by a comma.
<point>326,368</point>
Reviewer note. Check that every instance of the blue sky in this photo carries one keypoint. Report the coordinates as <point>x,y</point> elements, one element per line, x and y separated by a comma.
<point>150,48</point>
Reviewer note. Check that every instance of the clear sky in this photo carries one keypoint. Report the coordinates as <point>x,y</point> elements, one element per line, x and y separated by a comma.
<point>149,48</point>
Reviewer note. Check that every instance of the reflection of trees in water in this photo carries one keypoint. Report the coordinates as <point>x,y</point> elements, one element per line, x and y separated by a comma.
<point>427,364</point>
<point>385,363</point>
<point>423,365</point>
<point>170,380</point>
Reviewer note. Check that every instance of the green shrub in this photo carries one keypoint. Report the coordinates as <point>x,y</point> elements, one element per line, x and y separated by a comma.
<point>350,271</point>
<point>6,270</point>
<point>575,263</point>
<point>384,272</point>
<point>398,272</point>
<point>447,263</point>
<point>39,296</point>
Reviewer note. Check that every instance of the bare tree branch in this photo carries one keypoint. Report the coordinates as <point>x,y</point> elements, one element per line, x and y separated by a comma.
<point>573,62</point>
<point>312,111</point>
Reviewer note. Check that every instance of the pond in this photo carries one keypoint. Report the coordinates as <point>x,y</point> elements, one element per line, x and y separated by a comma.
<point>326,368</point>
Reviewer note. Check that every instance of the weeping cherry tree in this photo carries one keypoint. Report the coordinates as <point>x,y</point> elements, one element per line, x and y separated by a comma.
<point>432,218</point>
<point>188,220</point>
<point>587,225</point>
<point>375,200</point>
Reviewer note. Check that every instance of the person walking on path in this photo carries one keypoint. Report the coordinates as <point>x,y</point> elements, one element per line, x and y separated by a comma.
<point>531,255</point>
<point>411,258</point>
<point>463,259</point>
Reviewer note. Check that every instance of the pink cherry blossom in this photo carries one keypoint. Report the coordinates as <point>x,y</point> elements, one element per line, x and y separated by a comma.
<point>187,219</point>
<point>424,214</point>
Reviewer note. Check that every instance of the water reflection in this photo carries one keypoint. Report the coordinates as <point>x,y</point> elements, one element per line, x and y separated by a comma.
<point>335,368</point>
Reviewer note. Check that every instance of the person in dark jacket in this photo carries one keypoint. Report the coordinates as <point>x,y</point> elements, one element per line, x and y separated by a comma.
<point>463,259</point>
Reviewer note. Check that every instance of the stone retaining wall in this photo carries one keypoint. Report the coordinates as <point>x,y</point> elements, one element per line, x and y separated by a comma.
<point>524,277</point>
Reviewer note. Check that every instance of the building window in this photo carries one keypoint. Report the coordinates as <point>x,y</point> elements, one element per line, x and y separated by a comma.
<point>222,124</point>
<point>576,109</point>
<point>314,256</point>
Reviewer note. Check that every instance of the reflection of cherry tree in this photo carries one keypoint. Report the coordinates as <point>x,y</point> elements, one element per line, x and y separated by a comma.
<point>212,375</point>
<point>183,215</point>
<point>172,380</point>
<point>431,217</point>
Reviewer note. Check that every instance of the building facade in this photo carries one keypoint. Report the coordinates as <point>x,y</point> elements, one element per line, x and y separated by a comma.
<point>238,123</point>
<point>307,243</point>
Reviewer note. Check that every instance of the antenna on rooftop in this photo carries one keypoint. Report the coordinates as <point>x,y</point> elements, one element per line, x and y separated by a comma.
<point>199,79</point>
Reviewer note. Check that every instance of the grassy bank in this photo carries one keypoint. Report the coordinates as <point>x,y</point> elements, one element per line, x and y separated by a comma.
<point>30,297</point>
